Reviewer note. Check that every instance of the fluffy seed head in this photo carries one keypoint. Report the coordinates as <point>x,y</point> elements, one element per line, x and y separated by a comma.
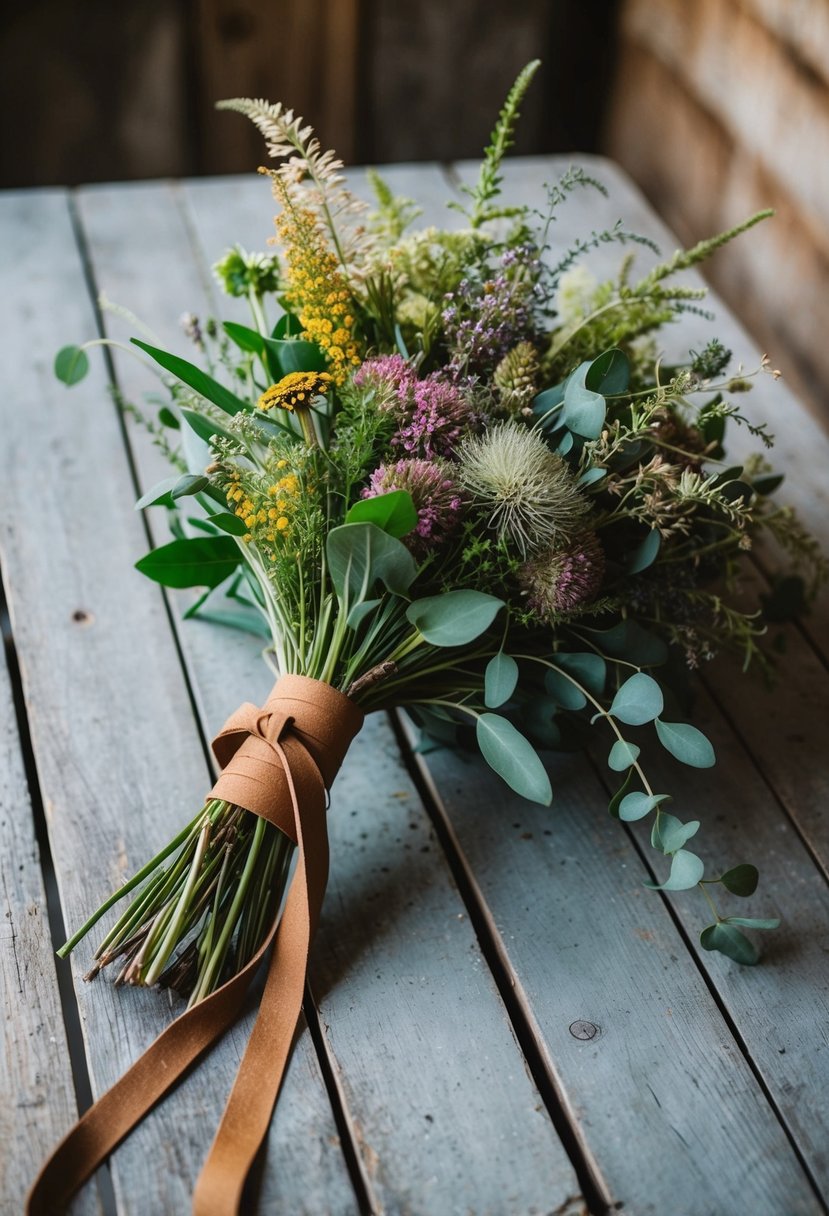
<point>531,494</point>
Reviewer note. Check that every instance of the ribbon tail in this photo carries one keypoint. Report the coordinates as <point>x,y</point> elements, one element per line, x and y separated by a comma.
<point>250,1106</point>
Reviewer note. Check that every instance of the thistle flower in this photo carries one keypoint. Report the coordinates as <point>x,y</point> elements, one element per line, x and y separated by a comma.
<point>435,495</point>
<point>558,581</point>
<point>389,375</point>
<point>515,378</point>
<point>435,414</point>
<point>529,491</point>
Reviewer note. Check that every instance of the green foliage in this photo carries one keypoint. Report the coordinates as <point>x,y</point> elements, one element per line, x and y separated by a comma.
<point>393,512</point>
<point>71,365</point>
<point>686,743</point>
<point>500,679</point>
<point>203,561</point>
<point>455,618</point>
<point>639,700</point>
<point>513,758</point>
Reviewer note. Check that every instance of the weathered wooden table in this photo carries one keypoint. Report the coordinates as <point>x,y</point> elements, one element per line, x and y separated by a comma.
<point>500,1018</point>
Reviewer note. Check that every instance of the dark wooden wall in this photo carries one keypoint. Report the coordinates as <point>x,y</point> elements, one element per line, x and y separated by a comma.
<point>96,91</point>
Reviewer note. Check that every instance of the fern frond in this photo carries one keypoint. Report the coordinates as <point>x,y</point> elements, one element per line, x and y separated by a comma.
<point>501,140</point>
<point>393,212</point>
<point>683,259</point>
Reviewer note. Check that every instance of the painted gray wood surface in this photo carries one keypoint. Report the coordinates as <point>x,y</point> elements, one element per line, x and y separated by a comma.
<point>118,752</point>
<point>37,1094</point>
<point>470,1124</point>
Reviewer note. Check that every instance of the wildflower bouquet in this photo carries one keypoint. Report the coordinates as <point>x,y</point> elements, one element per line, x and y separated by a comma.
<point>442,470</point>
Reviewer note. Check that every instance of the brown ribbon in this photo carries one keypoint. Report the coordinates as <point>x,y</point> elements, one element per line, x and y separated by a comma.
<point>278,762</point>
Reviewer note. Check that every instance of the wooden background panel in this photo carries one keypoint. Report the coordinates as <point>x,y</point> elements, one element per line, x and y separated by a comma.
<point>718,111</point>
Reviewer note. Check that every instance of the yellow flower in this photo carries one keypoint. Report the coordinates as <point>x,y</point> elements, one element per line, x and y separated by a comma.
<point>294,390</point>
<point>282,523</point>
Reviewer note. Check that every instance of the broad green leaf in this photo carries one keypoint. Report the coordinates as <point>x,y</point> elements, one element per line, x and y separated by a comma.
<point>590,476</point>
<point>670,833</point>
<point>549,399</point>
<point>159,495</point>
<point>645,555</point>
<point>686,743</point>
<point>71,365</point>
<point>288,326</point>
<point>454,618</point>
<point>193,376</point>
<point>728,940</point>
<point>754,922</point>
<point>296,355</point>
<point>231,524</point>
<point>167,418</point>
<point>589,669</point>
<point>195,450</point>
<point>767,485</point>
<point>637,805</point>
<point>205,428</point>
<point>741,880</point>
<point>609,374</point>
<point>500,679</point>
<point>189,483</point>
<point>639,700</point>
<point>393,512</point>
<point>686,871</point>
<point>202,561</point>
<point>360,611</point>
<point>513,758</point>
<point>361,555</point>
<point>584,410</point>
<point>563,691</point>
<point>622,755</point>
<point>628,640</point>
<point>620,795</point>
<point>565,444</point>
<point>246,339</point>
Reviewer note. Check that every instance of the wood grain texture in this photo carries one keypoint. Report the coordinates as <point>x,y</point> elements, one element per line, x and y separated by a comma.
<point>411,1016</point>
<point>119,756</point>
<point>37,1094</point>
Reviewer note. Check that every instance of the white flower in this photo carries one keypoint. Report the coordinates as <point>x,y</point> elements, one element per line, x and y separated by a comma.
<point>574,298</point>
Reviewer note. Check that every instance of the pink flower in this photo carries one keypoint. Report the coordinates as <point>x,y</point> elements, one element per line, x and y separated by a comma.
<point>435,495</point>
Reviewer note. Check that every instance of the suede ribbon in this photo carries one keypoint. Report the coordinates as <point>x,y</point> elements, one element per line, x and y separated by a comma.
<point>278,762</point>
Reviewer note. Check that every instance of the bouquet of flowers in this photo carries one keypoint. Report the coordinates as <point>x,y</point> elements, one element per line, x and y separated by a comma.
<point>442,470</point>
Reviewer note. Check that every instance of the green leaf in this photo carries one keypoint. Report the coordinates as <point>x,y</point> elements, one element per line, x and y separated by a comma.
<point>729,941</point>
<point>167,418</point>
<point>686,743</point>
<point>202,561</point>
<point>288,326</point>
<point>590,476</point>
<point>454,618</point>
<point>360,611</point>
<point>754,922</point>
<point>160,495</point>
<point>622,755</point>
<point>549,399</point>
<point>513,758</point>
<point>296,355</point>
<point>639,700</point>
<point>193,376</point>
<point>246,339</point>
<point>394,512</point>
<point>189,483</point>
<point>637,805</point>
<point>361,555</point>
<point>204,427</point>
<point>589,669</point>
<point>71,365</point>
<point>563,691</point>
<point>500,679</point>
<point>767,485</point>
<point>741,880</point>
<point>584,410</point>
<point>686,871</point>
<point>670,834</point>
<point>231,524</point>
<point>609,374</point>
<point>618,798</point>
<point>538,716</point>
<point>645,555</point>
<point>628,640</point>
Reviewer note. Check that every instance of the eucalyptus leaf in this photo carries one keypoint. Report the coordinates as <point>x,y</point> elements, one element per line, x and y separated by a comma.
<point>686,743</point>
<point>645,554</point>
<point>202,561</point>
<point>500,679</point>
<point>686,871</point>
<point>609,373</point>
<point>195,378</point>
<point>361,555</point>
<point>637,805</point>
<point>620,795</point>
<point>360,611</point>
<point>629,640</point>
<point>563,691</point>
<point>538,715</point>
<point>394,512</point>
<point>728,940</point>
<point>513,758</point>
<point>741,880</point>
<point>670,834</point>
<point>71,365</point>
<point>622,755</point>
<point>584,410</point>
<point>454,618</point>
<point>638,701</point>
<point>589,669</point>
<point>590,476</point>
<point>754,922</point>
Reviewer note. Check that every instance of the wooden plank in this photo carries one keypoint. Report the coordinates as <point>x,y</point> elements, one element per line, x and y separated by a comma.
<point>110,711</point>
<point>37,1103</point>
<point>427,959</point>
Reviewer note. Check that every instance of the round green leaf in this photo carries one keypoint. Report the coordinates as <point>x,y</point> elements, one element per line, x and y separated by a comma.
<point>628,640</point>
<point>589,669</point>
<point>393,512</point>
<point>513,758</point>
<point>670,834</point>
<point>686,743</point>
<point>563,691</point>
<point>730,942</point>
<point>71,365</point>
<point>622,755</point>
<point>741,880</point>
<point>609,374</point>
<point>454,618</point>
<point>500,679</point>
<point>637,805</point>
<point>686,871</point>
<point>584,410</point>
<point>639,700</point>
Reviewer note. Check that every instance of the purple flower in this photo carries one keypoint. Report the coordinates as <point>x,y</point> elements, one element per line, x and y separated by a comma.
<point>435,495</point>
<point>558,583</point>
<point>435,416</point>
<point>389,373</point>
